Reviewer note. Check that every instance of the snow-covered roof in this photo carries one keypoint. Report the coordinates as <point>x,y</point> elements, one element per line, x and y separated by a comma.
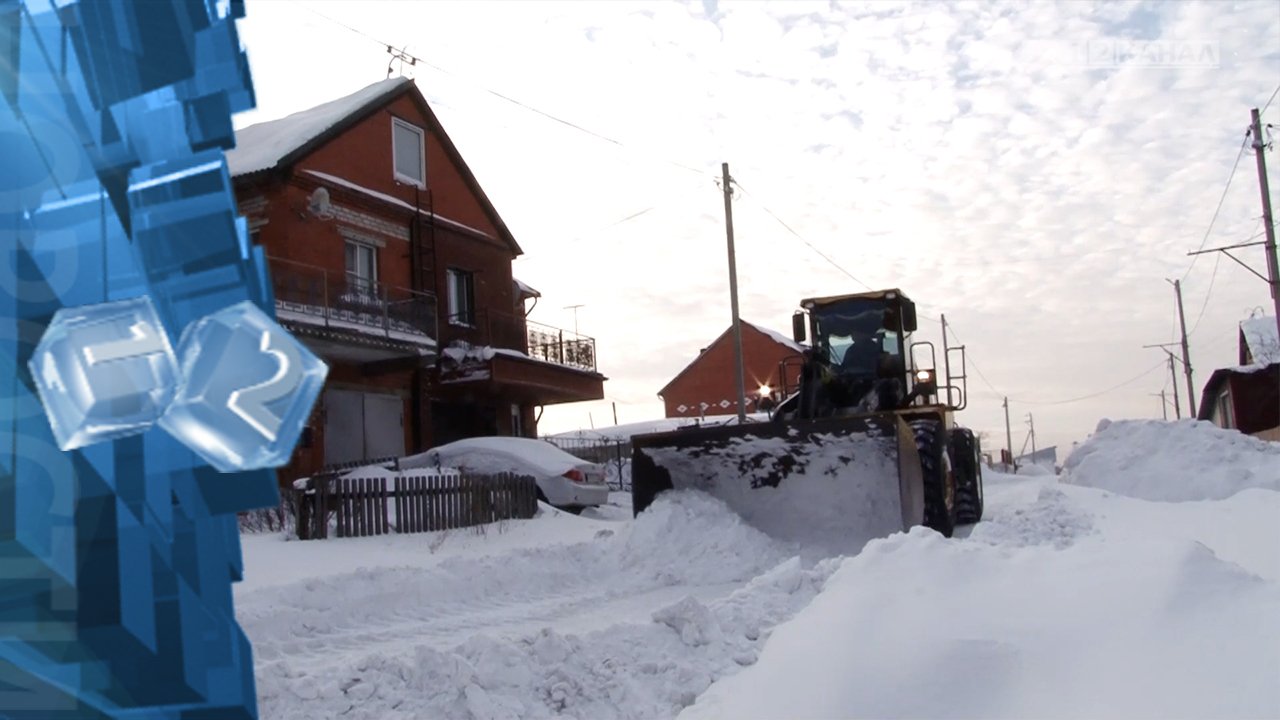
<point>1261,339</point>
<point>777,337</point>
<point>264,145</point>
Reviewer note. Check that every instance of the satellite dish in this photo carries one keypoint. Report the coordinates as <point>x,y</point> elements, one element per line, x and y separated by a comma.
<point>318,204</point>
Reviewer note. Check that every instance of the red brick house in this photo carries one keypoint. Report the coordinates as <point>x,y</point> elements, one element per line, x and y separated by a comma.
<point>1247,397</point>
<point>389,261</point>
<point>707,386</point>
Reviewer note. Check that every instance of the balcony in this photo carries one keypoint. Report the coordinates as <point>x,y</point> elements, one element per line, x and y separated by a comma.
<point>320,299</point>
<point>538,341</point>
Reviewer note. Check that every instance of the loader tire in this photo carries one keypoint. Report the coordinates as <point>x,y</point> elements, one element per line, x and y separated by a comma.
<point>939,495</point>
<point>968,473</point>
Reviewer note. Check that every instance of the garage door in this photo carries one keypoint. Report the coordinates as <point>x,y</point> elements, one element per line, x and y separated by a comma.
<point>362,426</point>
<point>383,426</point>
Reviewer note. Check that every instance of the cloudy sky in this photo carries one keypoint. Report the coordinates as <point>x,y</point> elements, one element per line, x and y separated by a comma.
<point>1036,171</point>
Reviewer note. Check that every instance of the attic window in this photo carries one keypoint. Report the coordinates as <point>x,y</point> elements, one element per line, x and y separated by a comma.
<point>407,151</point>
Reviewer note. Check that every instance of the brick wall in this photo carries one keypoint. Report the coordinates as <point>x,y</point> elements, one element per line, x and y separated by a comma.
<point>712,377</point>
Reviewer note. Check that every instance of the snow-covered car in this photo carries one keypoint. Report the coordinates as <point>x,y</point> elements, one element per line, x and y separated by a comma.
<point>564,480</point>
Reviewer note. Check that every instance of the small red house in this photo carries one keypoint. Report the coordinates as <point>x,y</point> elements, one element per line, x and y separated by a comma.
<point>1247,397</point>
<point>708,385</point>
<point>389,261</point>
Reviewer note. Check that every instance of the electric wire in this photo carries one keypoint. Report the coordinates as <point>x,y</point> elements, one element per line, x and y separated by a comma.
<point>1243,143</point>
<point>518,103</point>
<point>798,236</point>
<point>1273,97</point>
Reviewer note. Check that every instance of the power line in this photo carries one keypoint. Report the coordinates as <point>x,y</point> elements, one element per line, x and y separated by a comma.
<point>801,238</point>
<point>550,116</point>
<point>969,362</point>
<point>1212,220</point>
<point>1216,262</point>
<point>1273,97</point>
<point>1113,388</point>
<point>1208,293</point>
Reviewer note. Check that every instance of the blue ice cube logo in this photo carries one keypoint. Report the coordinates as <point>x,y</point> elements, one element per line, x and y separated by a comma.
<point>247,389</point>
<point>238,391</point>
<point>104,371</point>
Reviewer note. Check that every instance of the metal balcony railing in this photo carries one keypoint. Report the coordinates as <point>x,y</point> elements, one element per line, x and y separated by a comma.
<point>338,301</point>
<point>542,342</point>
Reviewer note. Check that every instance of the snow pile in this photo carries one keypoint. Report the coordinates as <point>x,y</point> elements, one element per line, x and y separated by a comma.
<point>839,491</point>
<point>624,433</point>
<point>1038,620</point>
<point>1049,520</point>
<point>548,631</point>
<point>1173,461</point>
<point>497,454</point>
<point>688,537</point>
<point>1035,470</point>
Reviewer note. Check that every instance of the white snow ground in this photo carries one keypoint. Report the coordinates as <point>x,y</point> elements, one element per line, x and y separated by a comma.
<point>1068,600</point>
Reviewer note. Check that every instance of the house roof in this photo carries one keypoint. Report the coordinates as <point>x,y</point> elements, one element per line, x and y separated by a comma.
<point>525,290</point>
<point>777,337</point>
<point>1258,335</point>
<point>277,145</point>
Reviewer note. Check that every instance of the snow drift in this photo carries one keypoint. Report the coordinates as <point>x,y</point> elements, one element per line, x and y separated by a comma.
<point>1173,461</point>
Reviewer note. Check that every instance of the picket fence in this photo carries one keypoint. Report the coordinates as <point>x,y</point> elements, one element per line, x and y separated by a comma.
<point>358,507</point>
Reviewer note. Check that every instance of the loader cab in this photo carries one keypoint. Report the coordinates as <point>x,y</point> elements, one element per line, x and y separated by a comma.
<point>858,344</point>
<point>858,335</point>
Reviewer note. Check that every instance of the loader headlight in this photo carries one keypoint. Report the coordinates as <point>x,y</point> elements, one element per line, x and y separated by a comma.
<point>924,376</point>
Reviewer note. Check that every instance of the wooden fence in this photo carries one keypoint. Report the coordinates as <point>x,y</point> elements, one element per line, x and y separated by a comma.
<point>358,507</point>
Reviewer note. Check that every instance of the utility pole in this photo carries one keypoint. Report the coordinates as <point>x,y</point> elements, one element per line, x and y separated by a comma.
<point>1008,433</point>
<point>1173,375</point>
<point>1164,404</point>
<point>727,187</point>
<point>1268,221</point>
<point>1032,422</point>
<point>1186,354</point>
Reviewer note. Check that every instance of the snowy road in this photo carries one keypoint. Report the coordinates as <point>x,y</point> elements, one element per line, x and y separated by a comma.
<point>1067,601</point>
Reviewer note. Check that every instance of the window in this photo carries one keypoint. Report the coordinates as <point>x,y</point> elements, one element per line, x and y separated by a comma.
<point>362,269</point>
<point>1225,416</point>
<point>406,149</point>
<point>462,307</point>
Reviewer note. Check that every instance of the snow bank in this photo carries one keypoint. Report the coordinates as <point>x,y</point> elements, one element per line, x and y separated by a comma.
<point>633,624</point>
<point>839,492</point>
<point>1173,461</point>
<point>1044,620</point>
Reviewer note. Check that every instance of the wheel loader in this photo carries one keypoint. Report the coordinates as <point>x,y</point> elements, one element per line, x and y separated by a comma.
<point>865,446</point>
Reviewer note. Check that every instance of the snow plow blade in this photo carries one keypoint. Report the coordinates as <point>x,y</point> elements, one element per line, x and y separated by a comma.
<point>843,480</point>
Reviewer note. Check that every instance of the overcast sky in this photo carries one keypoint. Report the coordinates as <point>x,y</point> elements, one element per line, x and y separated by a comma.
<point>1034,170</point>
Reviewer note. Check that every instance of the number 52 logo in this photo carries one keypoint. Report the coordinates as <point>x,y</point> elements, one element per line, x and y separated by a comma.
<point>237,391</point>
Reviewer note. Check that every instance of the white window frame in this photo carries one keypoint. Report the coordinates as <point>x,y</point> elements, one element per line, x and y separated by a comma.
<point>371,283</point>
<point>420,182</point>
<point>1226,412</point>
